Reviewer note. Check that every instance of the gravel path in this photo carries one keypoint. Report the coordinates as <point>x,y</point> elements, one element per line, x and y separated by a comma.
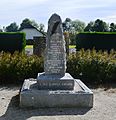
<point>104,107</point>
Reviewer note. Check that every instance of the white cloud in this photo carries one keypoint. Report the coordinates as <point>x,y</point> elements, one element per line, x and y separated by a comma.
<point>110,18</point>
<point>40,10</point>
<point>22,2</point>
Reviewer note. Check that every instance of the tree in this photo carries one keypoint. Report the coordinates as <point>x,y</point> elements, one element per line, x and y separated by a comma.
<point>35,24</point>
<point>78,26</point>
<point>89,27</point>
<point>112,27</point>
<point>13,27</point>
<point>41,27</point>
<point>72,27</point>
<point>27,23</point>
<point>67,25</point>
<point>1,30</point>
<point>100,26</point>
<point>97,26</point>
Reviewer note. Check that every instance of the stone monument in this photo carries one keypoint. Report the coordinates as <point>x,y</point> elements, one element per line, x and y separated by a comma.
<point>54,87</point>
<point>54,76</point>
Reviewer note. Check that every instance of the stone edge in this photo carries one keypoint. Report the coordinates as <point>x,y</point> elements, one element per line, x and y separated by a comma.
<point>26,91</point>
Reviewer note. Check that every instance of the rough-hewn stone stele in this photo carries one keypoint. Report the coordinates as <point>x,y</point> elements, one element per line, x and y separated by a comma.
<point>54,87</point>
<point>55,76</point>
<point>55,55</point>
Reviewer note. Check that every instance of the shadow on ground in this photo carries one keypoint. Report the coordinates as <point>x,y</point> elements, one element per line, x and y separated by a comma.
<point>14,112</point>
<point>105,86</point>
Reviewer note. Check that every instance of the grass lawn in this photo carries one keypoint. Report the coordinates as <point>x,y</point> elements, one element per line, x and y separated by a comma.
<point>72,46</point>
<point>29,46</point>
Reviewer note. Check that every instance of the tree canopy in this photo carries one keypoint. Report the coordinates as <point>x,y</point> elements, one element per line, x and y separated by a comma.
<point>78,25</point>
<point>112,27</point>
<point>13,27</point>
<point>27,23</point>
<point>73,25</point>
<point>97,26</point>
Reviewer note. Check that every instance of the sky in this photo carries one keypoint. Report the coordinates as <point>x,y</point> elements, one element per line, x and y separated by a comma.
<point>41,10</point>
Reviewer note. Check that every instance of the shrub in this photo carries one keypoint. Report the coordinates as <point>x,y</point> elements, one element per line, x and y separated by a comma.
<point>93,67</point>
<point>18,66</point>
<point>88,65</point>
<point>12,41</point>
<point>97,40</point>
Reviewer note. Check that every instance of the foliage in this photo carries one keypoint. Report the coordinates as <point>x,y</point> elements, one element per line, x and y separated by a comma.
<point>1,30</point>
<point>13,27</point>
<point>67,25</point>
<point>112,27</point>
<point>89,27</point>
<point>12,41</point>
<point>27,23</point>
<point>100,26</point>
<point>14,68</point>
<point>93,67</point>
<point>90,66</point>
<point>97,40</point>
<point>41,27</point>
<point>78,25</point>
<point>97,26</point>
<point>72,37</point>
<point>73,26</point>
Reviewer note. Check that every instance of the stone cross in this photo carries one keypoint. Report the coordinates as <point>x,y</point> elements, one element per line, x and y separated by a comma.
<point>55,53</point>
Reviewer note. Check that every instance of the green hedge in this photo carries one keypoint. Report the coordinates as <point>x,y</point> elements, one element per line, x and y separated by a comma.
<point>97,40</point>
<point>12,41</point>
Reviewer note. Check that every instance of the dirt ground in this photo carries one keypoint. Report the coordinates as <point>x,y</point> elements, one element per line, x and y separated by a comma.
<point>104,107</point>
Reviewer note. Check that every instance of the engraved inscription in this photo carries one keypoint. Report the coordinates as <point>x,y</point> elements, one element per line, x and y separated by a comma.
<point>48,84</point>
<point>55,56</point>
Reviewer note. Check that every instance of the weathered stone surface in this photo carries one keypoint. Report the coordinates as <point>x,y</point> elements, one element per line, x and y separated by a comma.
<point>55,82</point>
<point>39,45</point>
<point>55,59</point>
<point>31,96</point>
<point>55,53</point>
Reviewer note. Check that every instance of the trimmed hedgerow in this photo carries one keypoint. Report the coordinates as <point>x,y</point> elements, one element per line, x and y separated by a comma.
<point>14,68</point>
<point>97,40</point>
<point>12,41</point>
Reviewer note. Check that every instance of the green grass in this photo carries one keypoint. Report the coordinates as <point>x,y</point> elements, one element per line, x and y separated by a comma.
<point>29,46</point>
<point>72,46</point>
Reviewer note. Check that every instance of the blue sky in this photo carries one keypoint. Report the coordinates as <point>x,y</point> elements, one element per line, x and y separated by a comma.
<point>41,10</point>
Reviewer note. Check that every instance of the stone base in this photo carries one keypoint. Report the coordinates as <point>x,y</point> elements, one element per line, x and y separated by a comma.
<point>55,82</point>
<point>30,96</point>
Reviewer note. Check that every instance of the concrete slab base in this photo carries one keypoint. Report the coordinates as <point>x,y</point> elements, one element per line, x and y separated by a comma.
<point>31,96</point>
